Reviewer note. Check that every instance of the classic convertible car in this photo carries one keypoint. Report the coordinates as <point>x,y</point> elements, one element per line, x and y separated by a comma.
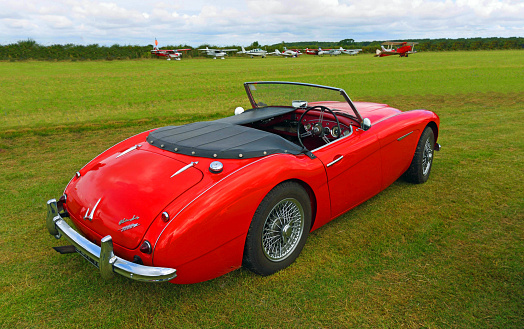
<point>189,203</point>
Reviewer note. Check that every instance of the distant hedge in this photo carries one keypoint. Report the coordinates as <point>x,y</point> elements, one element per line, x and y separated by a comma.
<point>30,49</point>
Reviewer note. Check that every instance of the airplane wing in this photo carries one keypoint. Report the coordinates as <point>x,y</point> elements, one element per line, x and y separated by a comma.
<point>392,43</point>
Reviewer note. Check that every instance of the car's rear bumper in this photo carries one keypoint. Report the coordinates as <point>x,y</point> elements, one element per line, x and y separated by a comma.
<point>103,256</point>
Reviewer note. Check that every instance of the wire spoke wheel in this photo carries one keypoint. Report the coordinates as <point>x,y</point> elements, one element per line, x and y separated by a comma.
<point>420,167</point>
<point>283,229</point>
<point>278,230</point>
<point>427,157</point>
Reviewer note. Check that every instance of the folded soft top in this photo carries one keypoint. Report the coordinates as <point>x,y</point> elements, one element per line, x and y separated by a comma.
<point>221,140</point>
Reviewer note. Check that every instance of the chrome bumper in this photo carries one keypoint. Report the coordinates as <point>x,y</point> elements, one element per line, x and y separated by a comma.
<point>103,256</point>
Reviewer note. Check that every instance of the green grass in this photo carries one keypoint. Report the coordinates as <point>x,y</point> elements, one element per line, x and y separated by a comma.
<point>445,254</point>
<point>40,94</point>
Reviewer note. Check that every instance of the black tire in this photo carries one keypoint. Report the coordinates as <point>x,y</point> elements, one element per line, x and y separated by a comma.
<point>272,244</point>
<point>420,167</point>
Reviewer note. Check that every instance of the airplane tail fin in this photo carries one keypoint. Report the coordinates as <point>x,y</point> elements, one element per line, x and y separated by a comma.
<point>278,51</point>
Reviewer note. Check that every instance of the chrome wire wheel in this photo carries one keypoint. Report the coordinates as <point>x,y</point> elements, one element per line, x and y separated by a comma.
<point>427,157</point>
<point>283,229</point>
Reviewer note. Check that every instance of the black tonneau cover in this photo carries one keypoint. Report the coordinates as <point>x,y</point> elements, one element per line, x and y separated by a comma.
<point>220,139</point>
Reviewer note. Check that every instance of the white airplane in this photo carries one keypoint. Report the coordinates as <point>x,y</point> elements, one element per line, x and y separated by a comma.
<point>217,52</point>
<point>350,51</point>
<point>333,52</point>
<point>287,53</point>
<point>254,52</point>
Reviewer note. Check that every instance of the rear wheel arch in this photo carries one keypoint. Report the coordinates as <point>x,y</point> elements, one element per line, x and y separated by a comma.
<point>310,192</point>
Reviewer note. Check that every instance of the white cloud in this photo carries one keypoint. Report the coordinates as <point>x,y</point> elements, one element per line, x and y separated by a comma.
<point>224,22</point>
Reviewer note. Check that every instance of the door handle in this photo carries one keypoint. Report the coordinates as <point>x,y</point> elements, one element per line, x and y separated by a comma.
<point>335,161</point>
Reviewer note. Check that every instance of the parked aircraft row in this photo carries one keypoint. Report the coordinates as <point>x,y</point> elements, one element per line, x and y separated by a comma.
<point>403,50</point>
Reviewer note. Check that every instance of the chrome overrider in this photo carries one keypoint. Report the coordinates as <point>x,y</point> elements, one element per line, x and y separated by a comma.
<point>103,256</point>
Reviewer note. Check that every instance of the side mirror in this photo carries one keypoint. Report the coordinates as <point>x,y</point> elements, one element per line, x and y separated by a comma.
<point>366,124</point>
<point>299,104</point>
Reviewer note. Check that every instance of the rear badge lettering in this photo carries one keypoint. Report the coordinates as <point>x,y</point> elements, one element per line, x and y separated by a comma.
<point>128,227</point>
<point>125,220</point>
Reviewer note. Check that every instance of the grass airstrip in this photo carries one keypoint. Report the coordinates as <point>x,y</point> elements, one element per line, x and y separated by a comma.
<point>445,254</point>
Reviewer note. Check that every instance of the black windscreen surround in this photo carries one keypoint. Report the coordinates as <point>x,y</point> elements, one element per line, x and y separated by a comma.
<point>220,139</point>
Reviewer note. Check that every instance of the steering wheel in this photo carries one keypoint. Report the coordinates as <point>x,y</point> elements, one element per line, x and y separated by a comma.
<point>317,129</point>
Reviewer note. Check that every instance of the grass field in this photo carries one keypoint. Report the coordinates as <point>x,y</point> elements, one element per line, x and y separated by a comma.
<point>445,254</point>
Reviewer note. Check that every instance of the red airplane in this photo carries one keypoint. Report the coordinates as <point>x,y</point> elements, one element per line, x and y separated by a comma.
<point>404,49</point>
<point>168,53</point>
<point>318,51</point>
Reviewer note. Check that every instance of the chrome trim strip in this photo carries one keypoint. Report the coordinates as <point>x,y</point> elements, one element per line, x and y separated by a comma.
<point>406,135</point>
<point>128,150</point>
<point>387,118</point>
<point>184,168</point>
<point>334,161</point>
<point>103,257</point>
<point>90,216</point>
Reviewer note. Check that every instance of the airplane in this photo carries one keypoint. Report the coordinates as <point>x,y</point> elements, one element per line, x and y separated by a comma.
<point>217,52</point>
<point>404,49</point>
<point>322,52</point>
<point>350,51</point>
<point>318,51</point>
<point>288,52</point>
<point>168,53</point>
<point>254,52</point>
<point>333,52</point>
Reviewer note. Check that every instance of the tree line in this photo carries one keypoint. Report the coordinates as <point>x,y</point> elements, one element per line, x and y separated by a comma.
<point>31,50</point>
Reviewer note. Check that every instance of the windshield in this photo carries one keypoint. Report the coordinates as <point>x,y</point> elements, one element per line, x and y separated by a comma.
<point>298,95</point>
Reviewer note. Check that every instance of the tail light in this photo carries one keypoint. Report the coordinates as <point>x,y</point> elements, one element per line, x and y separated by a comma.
<point>146,247</point>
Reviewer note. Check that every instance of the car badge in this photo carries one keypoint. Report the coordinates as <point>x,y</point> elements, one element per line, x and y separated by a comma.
<point>128,227</point>
<point>88,215</point>
<point>125,220</point>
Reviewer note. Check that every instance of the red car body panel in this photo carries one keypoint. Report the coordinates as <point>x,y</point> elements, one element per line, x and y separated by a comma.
<point>210,214</point>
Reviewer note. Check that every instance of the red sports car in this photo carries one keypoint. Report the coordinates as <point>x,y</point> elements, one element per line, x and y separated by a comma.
<point>189,203</point>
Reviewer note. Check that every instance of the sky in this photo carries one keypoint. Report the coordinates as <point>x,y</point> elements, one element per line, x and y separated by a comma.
<point>241,22</point>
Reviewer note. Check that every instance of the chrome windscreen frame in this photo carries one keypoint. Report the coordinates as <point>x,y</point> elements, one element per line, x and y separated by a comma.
<point>341,91</point>
<point>103,256</point>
